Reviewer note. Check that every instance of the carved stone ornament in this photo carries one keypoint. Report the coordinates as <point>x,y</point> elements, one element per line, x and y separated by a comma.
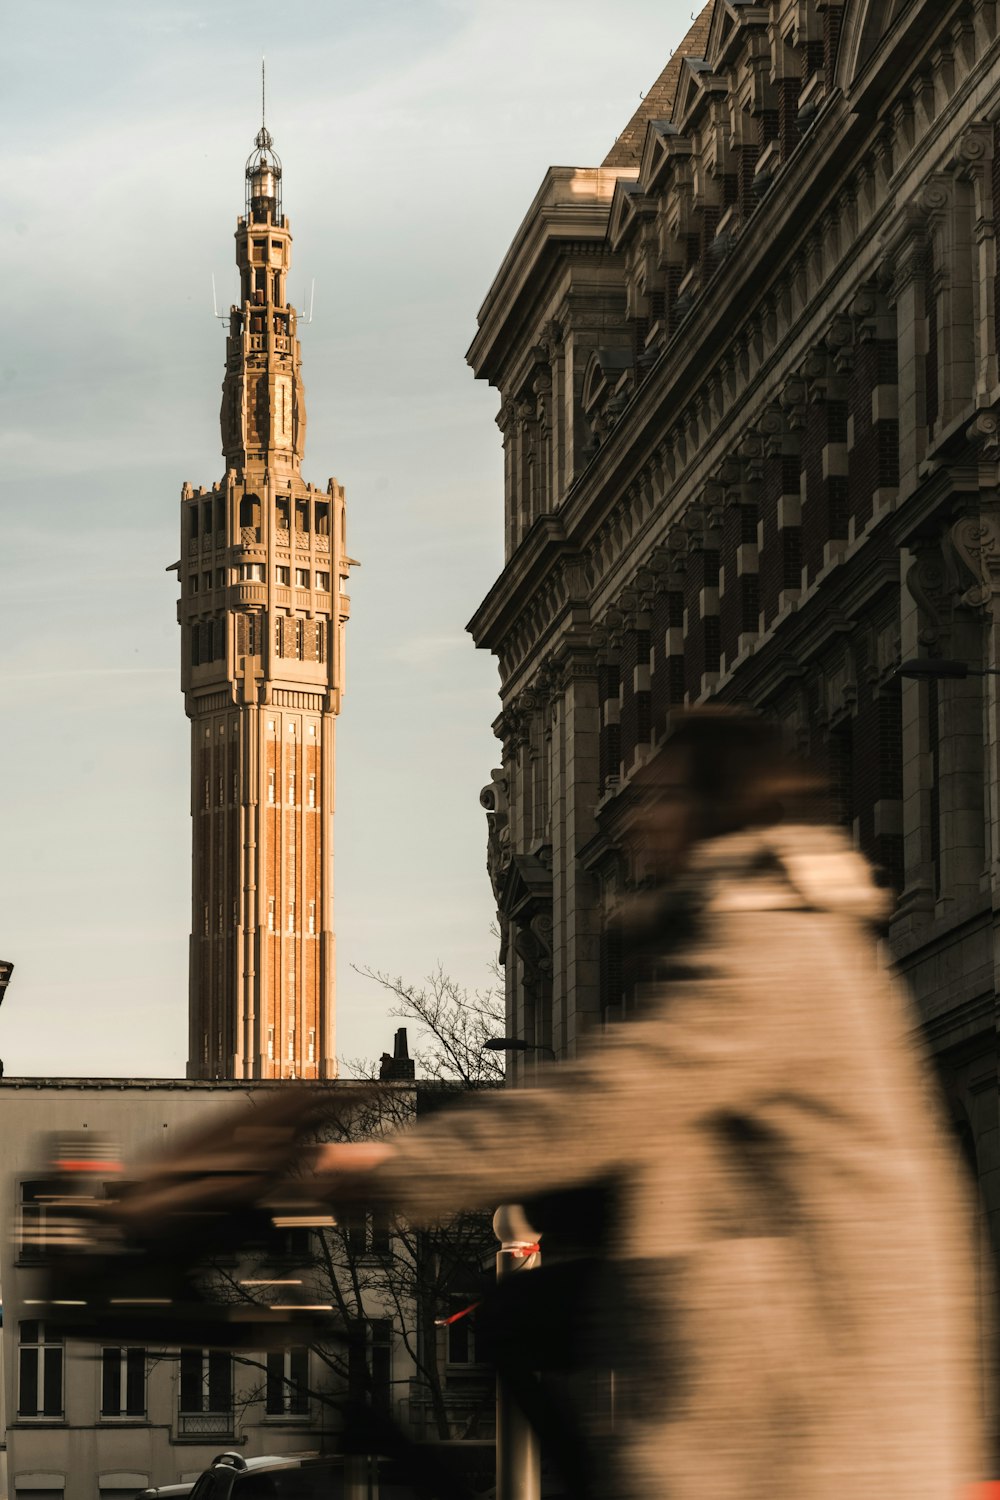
<point>927,582</point>
<point>976,540</point>
<point>984,430</point>
<point>494,799</point>
<point>533,946</point>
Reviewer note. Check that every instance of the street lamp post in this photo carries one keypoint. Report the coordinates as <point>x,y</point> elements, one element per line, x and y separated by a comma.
<point>519,1464</point>
<point>925,668</point>
<point>515,1044</point>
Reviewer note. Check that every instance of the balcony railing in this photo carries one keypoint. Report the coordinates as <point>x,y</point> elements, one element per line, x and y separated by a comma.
<point>197,1424</point>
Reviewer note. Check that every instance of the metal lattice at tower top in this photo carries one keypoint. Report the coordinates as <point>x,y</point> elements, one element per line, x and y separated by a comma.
<point>264,180</point>
<point>263,607</point>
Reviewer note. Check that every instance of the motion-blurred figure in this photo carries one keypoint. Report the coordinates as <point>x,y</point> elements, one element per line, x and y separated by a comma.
<point>789,1299</point>
<point>794,1249</point>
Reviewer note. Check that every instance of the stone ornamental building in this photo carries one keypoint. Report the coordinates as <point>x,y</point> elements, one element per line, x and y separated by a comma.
<point>749,400</point>
<point>262,613</point>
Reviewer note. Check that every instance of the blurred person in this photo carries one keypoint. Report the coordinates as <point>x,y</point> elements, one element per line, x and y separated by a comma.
<point>789,1298</point>
<point>792,1299</point>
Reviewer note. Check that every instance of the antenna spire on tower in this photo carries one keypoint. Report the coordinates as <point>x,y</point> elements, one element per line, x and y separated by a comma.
<point>263,95</point>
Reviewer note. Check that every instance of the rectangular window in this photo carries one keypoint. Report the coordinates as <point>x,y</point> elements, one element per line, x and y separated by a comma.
<point>220,578</point>
<point>39,1372</point>
<point>291,1046</point>
<point>252,572</point>
<point>291,916</point>
<point>380,1360</point>
<point>378,1231</point>
<point>123,1382</point>
<point>220,513</point>
<point>312,1044</point>
<point>312,923</point>
<point>270,786</point>
<point>193,583</point>
<point>193,522</point>
<point>322,518</point>
<point>206,582</point>
<point>287,1383</point>
<point>301,578</point>
<point>259,249</point>
<point>206,1383</point>
<point>34,1227</point>
<point>270,913</point>
<point>291,789</point>
<point>222,790</point>
<point>312,790</point>
<point>282,575</point>
<point>323,581</point>
<point>461,1333</point>
<point>281,510</point>
<point>206,516</point>
<point>270,1044</point>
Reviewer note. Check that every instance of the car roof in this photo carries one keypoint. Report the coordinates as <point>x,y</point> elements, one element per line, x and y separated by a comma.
<point>270,1461</point>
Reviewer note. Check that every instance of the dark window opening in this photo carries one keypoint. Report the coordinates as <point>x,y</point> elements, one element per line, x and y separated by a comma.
<point>123,1383</point>
<point>206,516</point>
<point>206,1383</point>
<point>250,513</point>
<point>287,1392</point>
<point>302,515</point>
<point>322,518</point>
<point>220,513</point>
<point>40,1372</point>
<point>281,510</point>
<point>380,1357</point>
<point>193,522</point>
<point>260,281</point>
<point>277,286</point>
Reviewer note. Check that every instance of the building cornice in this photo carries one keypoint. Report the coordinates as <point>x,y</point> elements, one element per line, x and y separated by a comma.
<point>572,204</point>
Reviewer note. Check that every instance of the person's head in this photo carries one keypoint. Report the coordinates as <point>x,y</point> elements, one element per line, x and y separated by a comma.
<point>722,771</point>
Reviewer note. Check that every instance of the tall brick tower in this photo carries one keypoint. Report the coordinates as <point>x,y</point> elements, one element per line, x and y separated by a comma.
<point>262,614</point>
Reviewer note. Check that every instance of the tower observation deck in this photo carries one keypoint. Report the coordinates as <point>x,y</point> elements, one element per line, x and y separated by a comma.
<point>262,611</point>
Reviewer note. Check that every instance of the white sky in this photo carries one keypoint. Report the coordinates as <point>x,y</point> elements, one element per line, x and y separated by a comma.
<point>414,134</point>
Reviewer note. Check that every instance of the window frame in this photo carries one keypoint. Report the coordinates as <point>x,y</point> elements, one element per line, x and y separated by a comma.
<point>47,1352</point>
<point>126,1411</point>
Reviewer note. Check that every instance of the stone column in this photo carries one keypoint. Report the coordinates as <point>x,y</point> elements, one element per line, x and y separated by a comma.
<point>575,750</point>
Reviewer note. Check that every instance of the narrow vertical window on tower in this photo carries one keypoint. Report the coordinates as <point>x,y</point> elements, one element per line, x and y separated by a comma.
<point>270,785</point>
<point>312,790</point>
<point>270,913</point>
<point>291,916</point>
<point>312,917</point>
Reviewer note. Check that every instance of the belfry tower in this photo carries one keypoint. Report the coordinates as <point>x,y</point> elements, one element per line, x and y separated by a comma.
<point>262,615</point>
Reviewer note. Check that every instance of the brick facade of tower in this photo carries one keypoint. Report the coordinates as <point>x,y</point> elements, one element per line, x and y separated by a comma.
<point>262,614</point>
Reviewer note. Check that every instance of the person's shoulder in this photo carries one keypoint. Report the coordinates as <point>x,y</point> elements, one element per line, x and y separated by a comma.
<point>803,866</point>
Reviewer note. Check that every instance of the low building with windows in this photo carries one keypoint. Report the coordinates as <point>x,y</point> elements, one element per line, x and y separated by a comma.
<point>747,368</point>
<point>80,1418</point>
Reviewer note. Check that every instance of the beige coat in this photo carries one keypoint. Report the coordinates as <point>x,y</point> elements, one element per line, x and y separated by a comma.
<point>819,1291</point>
